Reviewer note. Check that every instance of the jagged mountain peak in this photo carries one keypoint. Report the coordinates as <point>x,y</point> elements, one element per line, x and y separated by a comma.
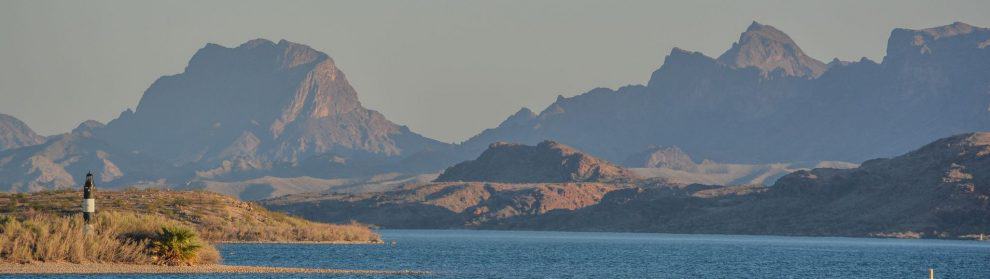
<point>292,99</point>
<point>523,116</point>
<point>769,49</point>
<point>88,127</point>
<point>254,43</point>
<point>262,54</point>
<point>14,133</point>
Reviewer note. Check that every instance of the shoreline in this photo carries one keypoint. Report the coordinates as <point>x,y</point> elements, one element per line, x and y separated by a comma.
<point>301,242</point>
<point>116,268</point>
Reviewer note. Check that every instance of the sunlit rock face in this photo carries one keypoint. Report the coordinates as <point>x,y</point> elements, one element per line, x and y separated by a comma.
<point>768,49</point>
<point>262,102</point>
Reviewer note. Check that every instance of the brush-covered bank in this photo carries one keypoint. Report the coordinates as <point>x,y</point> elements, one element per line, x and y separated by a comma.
<point>149,227</point>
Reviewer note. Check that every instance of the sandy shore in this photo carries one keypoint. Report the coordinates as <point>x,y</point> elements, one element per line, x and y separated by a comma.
<point>69,268</point>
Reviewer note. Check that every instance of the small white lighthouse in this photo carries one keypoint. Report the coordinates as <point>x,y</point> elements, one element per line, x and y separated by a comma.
<point>88,202</point>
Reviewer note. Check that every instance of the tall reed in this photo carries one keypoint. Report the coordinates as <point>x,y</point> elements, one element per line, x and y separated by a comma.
<point>115,238</point>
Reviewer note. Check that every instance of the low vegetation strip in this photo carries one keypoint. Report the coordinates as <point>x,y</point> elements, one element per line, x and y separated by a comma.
<point>216,218</point>
<point>114,237</point>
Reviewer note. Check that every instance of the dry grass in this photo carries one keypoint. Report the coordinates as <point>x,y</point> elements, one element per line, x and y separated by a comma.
<point>116,237</point>
<point>215,217</point>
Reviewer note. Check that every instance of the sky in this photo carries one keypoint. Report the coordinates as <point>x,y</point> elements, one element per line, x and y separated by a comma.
<point>446,69</point>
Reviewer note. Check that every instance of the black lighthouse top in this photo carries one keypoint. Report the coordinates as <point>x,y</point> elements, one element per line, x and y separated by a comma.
<point>88,187</point>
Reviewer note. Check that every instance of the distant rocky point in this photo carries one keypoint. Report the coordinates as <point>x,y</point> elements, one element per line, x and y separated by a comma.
<point>661,157</point>
<point>547,162</point>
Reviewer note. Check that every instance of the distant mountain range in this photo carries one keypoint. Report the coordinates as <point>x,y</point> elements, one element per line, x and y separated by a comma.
<point>765,101</point>
<point>941,190</point>
<point>267,118</point>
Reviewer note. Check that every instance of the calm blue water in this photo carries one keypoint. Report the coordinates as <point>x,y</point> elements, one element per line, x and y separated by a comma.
<point>504,254</point>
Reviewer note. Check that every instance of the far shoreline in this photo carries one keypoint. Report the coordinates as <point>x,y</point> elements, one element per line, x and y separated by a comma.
<point>889,236</point>
<point>114,268</point>
<point>301,242</point>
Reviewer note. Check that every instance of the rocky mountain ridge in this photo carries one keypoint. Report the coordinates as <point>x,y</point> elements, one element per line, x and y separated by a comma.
<point>939,191</point>
<point>734,108</point>
<point>289,112</point>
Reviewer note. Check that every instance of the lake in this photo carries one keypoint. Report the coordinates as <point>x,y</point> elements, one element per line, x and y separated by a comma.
<point>515,254</point>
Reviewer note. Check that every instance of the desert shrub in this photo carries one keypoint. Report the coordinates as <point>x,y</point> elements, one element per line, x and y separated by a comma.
<point>175,245</point>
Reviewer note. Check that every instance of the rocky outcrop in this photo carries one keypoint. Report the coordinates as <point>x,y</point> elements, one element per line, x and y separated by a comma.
<point>661,157</point>
<point>547,162</point>
<point>14,133</point>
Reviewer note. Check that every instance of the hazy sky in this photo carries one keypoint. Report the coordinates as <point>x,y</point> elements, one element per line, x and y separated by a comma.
<point>447,69</point>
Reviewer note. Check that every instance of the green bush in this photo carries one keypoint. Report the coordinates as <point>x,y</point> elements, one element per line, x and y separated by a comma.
<point>176,246</point>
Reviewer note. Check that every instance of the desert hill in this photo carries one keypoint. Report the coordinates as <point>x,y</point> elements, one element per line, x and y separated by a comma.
<point>444,204</point>
<point>547,162</point>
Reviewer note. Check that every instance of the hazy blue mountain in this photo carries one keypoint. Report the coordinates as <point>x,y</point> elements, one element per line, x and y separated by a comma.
<point>14,133</point>
<point>266,109</point>
<point>261,108</point>
<point>261,103</point>
<point>765,101</point>
<point>64,160</point>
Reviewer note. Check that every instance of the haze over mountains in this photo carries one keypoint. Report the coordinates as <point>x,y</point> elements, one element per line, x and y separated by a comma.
<point>264,113</point>
<point>765,101</point>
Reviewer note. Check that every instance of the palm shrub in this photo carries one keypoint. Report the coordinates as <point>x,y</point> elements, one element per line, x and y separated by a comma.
<point>175,245</point>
